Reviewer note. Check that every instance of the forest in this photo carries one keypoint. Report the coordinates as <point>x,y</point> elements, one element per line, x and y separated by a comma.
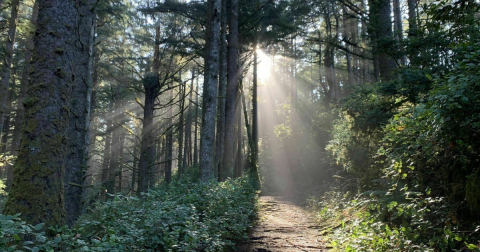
<point>239,125</point>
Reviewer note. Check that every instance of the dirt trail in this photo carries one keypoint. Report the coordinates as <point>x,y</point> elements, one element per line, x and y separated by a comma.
<point>283,227</point>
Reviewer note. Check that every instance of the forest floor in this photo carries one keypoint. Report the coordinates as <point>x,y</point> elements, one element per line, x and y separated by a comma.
<point>283,226</point>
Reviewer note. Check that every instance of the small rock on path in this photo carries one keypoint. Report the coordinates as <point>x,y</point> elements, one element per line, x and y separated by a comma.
<point>283,227</point>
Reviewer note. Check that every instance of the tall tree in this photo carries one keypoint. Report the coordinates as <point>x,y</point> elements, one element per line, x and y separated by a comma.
<point>7,66</point>
<point>232,80</point>
<point>38,187</point>
<point>181,105</point>
<point>222,85</point>
<point>381,37</point>
<point>78,132</point>
<point>188,125</point>
<point>207,134</point>
<point>23,91</point>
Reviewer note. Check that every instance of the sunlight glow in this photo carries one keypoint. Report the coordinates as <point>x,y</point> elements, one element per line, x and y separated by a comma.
<point>264,66</point>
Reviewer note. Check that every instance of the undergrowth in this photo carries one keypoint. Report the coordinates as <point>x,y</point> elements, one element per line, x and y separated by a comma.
<point>389,221</point>
<point>183,216</point>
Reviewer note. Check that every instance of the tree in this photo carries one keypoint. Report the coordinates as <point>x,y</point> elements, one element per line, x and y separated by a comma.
<point>232,81</point>
<point>220,141</point>
<point>78,132</point>
<point>207,134</point>
<point>38,187</point>
<point>10,42</point>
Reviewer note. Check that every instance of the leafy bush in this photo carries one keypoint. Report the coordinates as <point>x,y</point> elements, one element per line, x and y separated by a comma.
<point>183,216</point>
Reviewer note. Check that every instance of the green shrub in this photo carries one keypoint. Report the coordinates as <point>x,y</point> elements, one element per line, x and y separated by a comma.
<point>182,216</point>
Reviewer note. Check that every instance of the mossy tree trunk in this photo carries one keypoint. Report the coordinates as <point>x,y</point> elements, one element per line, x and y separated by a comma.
<point>21,95</point>
<point>78,132</point>
<point>38,187</point>
<point>207,134</point>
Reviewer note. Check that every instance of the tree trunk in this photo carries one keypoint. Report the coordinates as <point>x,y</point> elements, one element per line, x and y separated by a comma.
<point>38,187</point>
<point>169,153</point>
<point>9,43</point>
<point>78,131</point>
<point>188,125</point>
<point>134,166</point>
<point>412,17</point>
<point>21,96</point>
<point>232,68</point>
<point>91,168</point>
<point>381,37</point>
<point>147,150</point>
<point>181,88</point>
<point>207,134</point>
<point>7,119</point>
<point>254,145</point>
<point>106,154</point>
<point>195,140</point>
<point>398,29</point>
<point>120,157</point>
<point>220,142</point>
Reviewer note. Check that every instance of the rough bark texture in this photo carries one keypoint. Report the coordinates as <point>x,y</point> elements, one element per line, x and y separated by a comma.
<point>207,134</point>
<point>38,188</point>
<point>232,80</point>
<point>381,37</point>
<point>78,132</point>
<point>222,85</point>
<point>7,62</point>
<point>147,150</point>
<point>21,96</point>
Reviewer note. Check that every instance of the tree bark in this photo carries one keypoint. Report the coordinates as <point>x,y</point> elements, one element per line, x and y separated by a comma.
<point>106,154</point>
<point>412,18</point>
<point>232,80</point>
<point>78,132</point>
<point>207,134</point>
<point>195,140</point>
<point>169,136</point>
<point>254,145</point>
<point>21,96</point>
<point>381,37</point>
<point>220,141</point>
<point>38,187</point>
<point>181,88</point>
<point>7,66</point>
<point>147,150</point>
<point>7,119</point>
<point>188,125</point>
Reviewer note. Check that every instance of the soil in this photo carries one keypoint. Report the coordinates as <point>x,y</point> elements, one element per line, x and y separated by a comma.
<point>283,226</point>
